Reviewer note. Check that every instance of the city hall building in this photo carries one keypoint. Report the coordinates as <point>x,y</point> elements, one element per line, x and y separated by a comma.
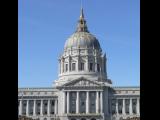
<point>82,91</point>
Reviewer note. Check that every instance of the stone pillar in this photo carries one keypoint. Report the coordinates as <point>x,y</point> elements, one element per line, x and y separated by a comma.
<point>20,107</point>
<point>124,107</point>
<point>69,64</point>
<point>87,63</point>
<point>48,110</point>
<point>64,102</point>
<point>41,109</point>
<point>67,102</point>
<point>138,105</point>
<point>130,107</point>
<point>101,98</point>
<point>95,62</point>
<point>97,102</point>
<point>27,108</point>
<point>77,102</point>
<point>63,65</point>
<point>117,107</point>
<point>110,106</point>
<point>34,108</point>
<point>56,104</point>
<point>87,102</point>
<point>77,68</point>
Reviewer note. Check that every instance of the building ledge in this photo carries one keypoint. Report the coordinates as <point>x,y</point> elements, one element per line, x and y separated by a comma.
<point>84,114</point>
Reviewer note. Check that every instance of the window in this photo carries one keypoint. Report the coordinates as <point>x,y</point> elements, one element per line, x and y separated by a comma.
<point>73,66</point>
<point>82,103</point>
<point>52,103</point>
<point>66,67</point>
<point>82,66</point>
<point>98,68</point>
<point>83,119</point>
<point>120,106</point>
<point>90,66</point>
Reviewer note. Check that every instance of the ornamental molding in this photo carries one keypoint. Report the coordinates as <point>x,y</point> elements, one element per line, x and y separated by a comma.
<point>84,115</point>
<point>82,83</point>
<point>38,97</point>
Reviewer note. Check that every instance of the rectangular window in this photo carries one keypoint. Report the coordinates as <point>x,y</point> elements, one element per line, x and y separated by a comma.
<point>120,103</point>
<point>98,68</point>
<point>90,66</point>
<point>82,66</point>
<point>73,66</point>
<point>66,67</point>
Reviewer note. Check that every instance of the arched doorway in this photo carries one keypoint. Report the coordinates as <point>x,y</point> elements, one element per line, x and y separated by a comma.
<point>73,119</point>
<point>93,119</point>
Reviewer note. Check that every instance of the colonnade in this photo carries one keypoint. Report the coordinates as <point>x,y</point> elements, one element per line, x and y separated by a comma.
<point>34,107</point>
<point>99,102</point>
<point>130,106</point>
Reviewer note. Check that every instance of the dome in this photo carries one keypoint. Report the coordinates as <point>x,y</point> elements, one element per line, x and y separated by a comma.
<point>82,40</point>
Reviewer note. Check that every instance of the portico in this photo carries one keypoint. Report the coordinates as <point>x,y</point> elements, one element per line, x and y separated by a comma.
<point>98,100</point>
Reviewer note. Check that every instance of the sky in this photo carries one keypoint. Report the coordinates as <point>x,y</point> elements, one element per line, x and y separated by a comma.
<point>45,25</point>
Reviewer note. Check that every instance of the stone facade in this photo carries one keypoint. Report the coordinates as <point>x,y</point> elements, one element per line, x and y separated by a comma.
<point>83,91</point>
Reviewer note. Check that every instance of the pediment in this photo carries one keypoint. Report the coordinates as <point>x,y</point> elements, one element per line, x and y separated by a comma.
<point>82,82</point>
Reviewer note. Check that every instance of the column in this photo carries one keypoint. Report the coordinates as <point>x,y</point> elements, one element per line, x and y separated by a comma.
<point>87,102</point>
<point>27,108</point>
<point>48,110</point>
<point>137,105</point>
<point>64,102</point>
<point>87,64</point>
<point>95,62</point>
<point>34,108</point>
<point>101,98</point>
<point>123,108</point>
<point>41,110</point>
<point>97,102</point>
<point>110,106</point>
<point>77,102</point>
<point>117,106</point>
<point>130,106</point>
<point>77,67</point>
<point>20,107</point>
<point>56,104</point>
<point>67,102</point>
<point>69,64</point>
<point>63,65</point>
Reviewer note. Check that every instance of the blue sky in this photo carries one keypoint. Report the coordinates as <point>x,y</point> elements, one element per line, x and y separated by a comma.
<point>44,26</point>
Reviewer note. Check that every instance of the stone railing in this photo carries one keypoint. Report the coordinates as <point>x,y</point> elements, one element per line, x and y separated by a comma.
<point>26,118</point>
<point>133,118</point>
